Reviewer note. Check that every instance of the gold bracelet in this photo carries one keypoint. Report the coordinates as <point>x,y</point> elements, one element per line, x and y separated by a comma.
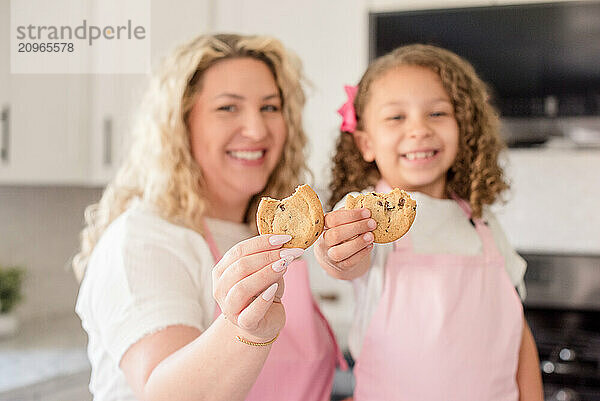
<point>248,342</point>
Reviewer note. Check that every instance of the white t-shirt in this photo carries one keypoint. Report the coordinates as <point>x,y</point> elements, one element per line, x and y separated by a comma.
<point>440,226</point>
<point>145,274</point>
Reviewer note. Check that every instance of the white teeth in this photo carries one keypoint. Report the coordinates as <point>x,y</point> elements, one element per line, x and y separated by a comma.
<point>247,154</point>
<point>419,155</point>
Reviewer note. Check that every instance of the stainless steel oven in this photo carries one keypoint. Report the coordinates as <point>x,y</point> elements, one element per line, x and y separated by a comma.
<point>563,309</point>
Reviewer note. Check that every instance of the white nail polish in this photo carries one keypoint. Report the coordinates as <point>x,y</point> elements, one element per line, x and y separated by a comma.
<point>279,239</point>
<point>269,292</point>
<point>293,252</point>
<point>282,263</point>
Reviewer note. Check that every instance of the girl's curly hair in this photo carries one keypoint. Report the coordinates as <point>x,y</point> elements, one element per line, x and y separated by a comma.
<point>475,175</point>
<point>160,167</point>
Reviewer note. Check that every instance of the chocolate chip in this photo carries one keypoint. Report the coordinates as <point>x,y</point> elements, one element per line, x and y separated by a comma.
<point>280,206</point>
<point>415,208</point>
<point>401,203</point>
<point>305,242</point>
<point>380,203</point>
<point>317,221</point>
<point>388,206</point>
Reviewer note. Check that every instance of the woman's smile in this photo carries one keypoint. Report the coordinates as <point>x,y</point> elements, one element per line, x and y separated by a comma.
<point>248,157</point>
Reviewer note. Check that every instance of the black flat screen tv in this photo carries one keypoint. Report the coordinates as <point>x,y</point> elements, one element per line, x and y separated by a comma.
<point>540,60</point>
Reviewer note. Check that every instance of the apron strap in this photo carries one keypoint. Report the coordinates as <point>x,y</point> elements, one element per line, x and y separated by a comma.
<point>490,249</point>
<point>212,245</point>
<point>464,205</point>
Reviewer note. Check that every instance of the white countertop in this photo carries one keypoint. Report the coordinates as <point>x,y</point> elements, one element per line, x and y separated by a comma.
<point>43,350</point>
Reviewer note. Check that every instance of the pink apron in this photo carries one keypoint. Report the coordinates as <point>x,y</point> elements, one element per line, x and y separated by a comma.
<point>302,361</point>
<point>447,327</point>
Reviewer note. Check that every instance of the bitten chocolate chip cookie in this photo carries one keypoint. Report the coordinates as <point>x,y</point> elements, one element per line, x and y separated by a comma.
<point>394,212</point>
<point>299,215</point>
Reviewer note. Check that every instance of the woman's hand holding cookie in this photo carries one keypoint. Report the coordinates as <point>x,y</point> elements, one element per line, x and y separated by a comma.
<point>348,237</point>
<point>248,285</point>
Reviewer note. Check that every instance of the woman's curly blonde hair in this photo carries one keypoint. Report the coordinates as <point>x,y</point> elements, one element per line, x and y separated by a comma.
<point>475,175</point>
<point>160,168</point>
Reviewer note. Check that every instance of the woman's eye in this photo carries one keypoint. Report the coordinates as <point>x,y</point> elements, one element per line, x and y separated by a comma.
<point>229,108</point>
<point>270,108</point>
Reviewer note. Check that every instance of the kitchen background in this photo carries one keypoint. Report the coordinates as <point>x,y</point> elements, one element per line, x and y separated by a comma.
<point>63,136</point>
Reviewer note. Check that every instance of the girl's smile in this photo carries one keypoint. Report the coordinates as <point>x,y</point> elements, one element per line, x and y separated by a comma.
<point>417,156</point>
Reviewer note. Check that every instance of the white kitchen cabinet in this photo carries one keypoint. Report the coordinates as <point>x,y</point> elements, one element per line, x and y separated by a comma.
<point>112,107</point>
<point>43,132</point>
<point>116,97</point>
<point>59,129</point>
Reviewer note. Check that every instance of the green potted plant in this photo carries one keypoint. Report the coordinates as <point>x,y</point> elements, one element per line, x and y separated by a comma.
<point>11,280</point>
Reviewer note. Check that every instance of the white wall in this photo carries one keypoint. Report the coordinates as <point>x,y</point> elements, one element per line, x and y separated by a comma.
<point>39,230</point>
<point>554,202</point>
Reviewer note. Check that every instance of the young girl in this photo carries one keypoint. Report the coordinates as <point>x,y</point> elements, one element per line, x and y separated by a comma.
<point>438,317</point>
<point>220,127</point>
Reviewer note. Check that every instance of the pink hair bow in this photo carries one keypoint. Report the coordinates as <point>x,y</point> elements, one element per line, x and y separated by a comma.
<point>347,110</point>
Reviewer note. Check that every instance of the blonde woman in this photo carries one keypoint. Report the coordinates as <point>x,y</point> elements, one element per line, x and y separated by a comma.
<point>219,128</point>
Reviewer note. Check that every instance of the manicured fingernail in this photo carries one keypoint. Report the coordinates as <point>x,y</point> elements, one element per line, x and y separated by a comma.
<point>282,263</point>
<point>294,252</point>
<point>371,223</point>
<point>270,292</point>
<point>279,239</point>
<point>366,213</point>
<point>368,237</point>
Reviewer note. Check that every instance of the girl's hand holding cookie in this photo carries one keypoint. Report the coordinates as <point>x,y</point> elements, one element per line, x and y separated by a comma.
<point>248,285</point>
<point>348,237</point>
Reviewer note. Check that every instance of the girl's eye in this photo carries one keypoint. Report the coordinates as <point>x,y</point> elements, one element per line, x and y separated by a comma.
<point>396,117</point>
<point>270,108</point>
<point>228,108</point>
<point>439,114</point>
